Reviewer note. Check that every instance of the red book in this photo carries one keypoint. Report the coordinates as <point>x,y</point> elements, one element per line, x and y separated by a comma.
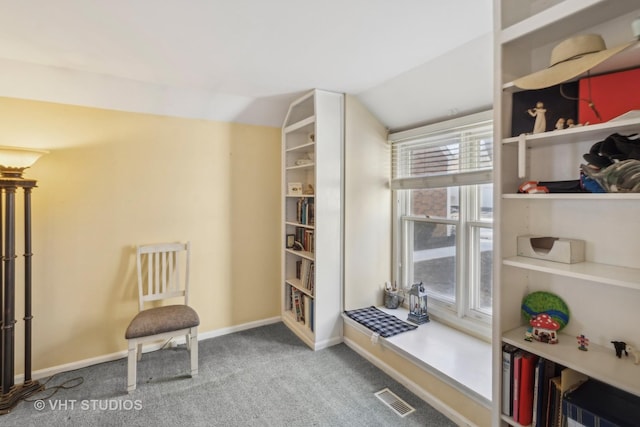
<point>525,400</point>
<point>517,363</point>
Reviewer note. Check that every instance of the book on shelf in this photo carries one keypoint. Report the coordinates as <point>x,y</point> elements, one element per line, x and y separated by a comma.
<point>288,297</point>
<point>297,304</point>
<point>305,237</point>
<point>527,370</point>
<point>305,272</point>
<point>508,353</point>
<point>515,394</point>
<point>554,401</point>
<point>594,403</point>
<point>568,380</point>
<point>307,309</point>
<point>305,211</point>
<point>533,387</point>
<point>545,370</point>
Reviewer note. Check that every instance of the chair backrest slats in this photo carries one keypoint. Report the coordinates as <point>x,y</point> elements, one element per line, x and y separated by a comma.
<point>161,271</point>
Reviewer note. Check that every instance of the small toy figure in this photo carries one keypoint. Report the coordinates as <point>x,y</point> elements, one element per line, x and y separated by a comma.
<point>583,342</point>
<point>540,125</point>
<point>528,335</point>
<point>620,346</point>
<point>560,123</point>
<point>635,353</point>
<point>545,329</point>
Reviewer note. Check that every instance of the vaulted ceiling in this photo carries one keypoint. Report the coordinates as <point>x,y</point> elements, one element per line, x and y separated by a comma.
<point>408,61</point>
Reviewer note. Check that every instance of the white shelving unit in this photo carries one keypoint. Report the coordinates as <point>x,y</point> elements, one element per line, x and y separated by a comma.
<point>602,293</point>
<point>312,148</point>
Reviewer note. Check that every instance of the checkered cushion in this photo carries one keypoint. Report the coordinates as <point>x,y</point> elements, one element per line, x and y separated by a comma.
<point>380,322</point>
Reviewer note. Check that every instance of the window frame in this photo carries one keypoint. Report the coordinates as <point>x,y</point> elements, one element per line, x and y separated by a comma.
<point>466,312</point>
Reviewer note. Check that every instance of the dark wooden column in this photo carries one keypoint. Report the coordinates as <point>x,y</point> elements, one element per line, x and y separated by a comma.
<point>11,393</point>
<point>8,285</point>
<point>27,284</point>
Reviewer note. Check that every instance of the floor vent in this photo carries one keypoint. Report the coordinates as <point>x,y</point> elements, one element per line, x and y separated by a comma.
<point>398,405</point>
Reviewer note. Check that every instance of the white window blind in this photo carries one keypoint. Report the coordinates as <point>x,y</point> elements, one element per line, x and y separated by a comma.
<point>456,152</point>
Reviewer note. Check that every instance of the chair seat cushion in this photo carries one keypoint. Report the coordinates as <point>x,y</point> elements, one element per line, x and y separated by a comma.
<point>162,319</point>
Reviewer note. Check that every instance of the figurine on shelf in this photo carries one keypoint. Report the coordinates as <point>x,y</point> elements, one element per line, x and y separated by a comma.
<point>528,334</point>
<point>540,125</point>
<point>620,346</point>
<point>583,342</point>
<point>560,123</point>
<point>635,353</point>
<point>545,329</point>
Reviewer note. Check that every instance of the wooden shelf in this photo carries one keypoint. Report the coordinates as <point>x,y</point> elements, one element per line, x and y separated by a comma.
<point>565,19</point>
<point>573,196</point>
<point>297,283</point>
<point>629,123</point>
<point>602,273</point>
<point>305,166</point>
<point>511,422</point>
<point>301,254</point>
<point>598,362</point>
<point>526,33</point>
<point>313,130</point>
<point>579,134</point>
<point>306,147</point>
<point>309,121</point>
<point>297,224</point>
<point>298,196</point>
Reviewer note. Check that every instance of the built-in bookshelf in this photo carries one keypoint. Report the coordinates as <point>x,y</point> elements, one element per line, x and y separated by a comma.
<point>603,292</point>
<point>312,147</point>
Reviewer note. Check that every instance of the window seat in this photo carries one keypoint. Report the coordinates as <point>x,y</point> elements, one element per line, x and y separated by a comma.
<point>458,359</point>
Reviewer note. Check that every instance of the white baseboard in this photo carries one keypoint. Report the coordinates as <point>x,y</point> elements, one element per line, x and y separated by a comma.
<point>437,404</point>
<point>47,372</point>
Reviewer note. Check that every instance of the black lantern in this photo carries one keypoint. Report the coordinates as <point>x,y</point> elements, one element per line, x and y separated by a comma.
<point>418,304</point>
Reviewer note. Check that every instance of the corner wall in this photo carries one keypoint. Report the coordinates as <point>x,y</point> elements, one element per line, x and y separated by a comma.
<point>367,254</point>
<point>114,180</point>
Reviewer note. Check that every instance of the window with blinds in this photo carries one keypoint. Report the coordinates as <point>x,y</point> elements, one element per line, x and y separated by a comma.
<point>443,217</point>
<point>448,154</point>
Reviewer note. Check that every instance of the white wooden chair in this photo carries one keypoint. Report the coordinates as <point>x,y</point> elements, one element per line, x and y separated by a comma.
<point>163,274</point>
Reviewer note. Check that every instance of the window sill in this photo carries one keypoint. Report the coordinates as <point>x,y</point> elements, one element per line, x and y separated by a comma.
<point>453,356</point>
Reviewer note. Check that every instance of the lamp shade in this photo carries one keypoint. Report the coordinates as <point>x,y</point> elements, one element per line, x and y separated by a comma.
<point>13,160</point>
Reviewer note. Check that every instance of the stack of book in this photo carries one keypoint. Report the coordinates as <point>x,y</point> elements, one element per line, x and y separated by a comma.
<point>305,212</point>
<point>305,237</point>
<point>598,404</point>
<point>533,388</point>
<point>305,271</point>
<point>301,306</point>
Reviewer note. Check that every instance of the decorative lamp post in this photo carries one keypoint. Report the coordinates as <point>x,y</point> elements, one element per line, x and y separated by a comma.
<point>13,161</point>
<point>418,304</point>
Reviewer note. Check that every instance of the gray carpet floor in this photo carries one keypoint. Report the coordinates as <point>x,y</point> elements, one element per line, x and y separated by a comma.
<point>259,377</point>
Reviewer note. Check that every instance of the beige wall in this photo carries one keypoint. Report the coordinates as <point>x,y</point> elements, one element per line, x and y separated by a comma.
<point>116,179</point>
<point>367,255</point>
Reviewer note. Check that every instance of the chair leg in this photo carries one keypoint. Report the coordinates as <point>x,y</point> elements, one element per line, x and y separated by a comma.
<point>131,367</point>
<point>139,352</point>
<point>193,343</point>
<point>188,341</point>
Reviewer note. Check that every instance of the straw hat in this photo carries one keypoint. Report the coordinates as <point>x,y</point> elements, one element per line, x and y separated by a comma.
<point>569,59</point>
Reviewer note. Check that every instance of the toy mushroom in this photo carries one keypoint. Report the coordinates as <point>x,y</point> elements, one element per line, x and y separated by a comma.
<point>545,329</point>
